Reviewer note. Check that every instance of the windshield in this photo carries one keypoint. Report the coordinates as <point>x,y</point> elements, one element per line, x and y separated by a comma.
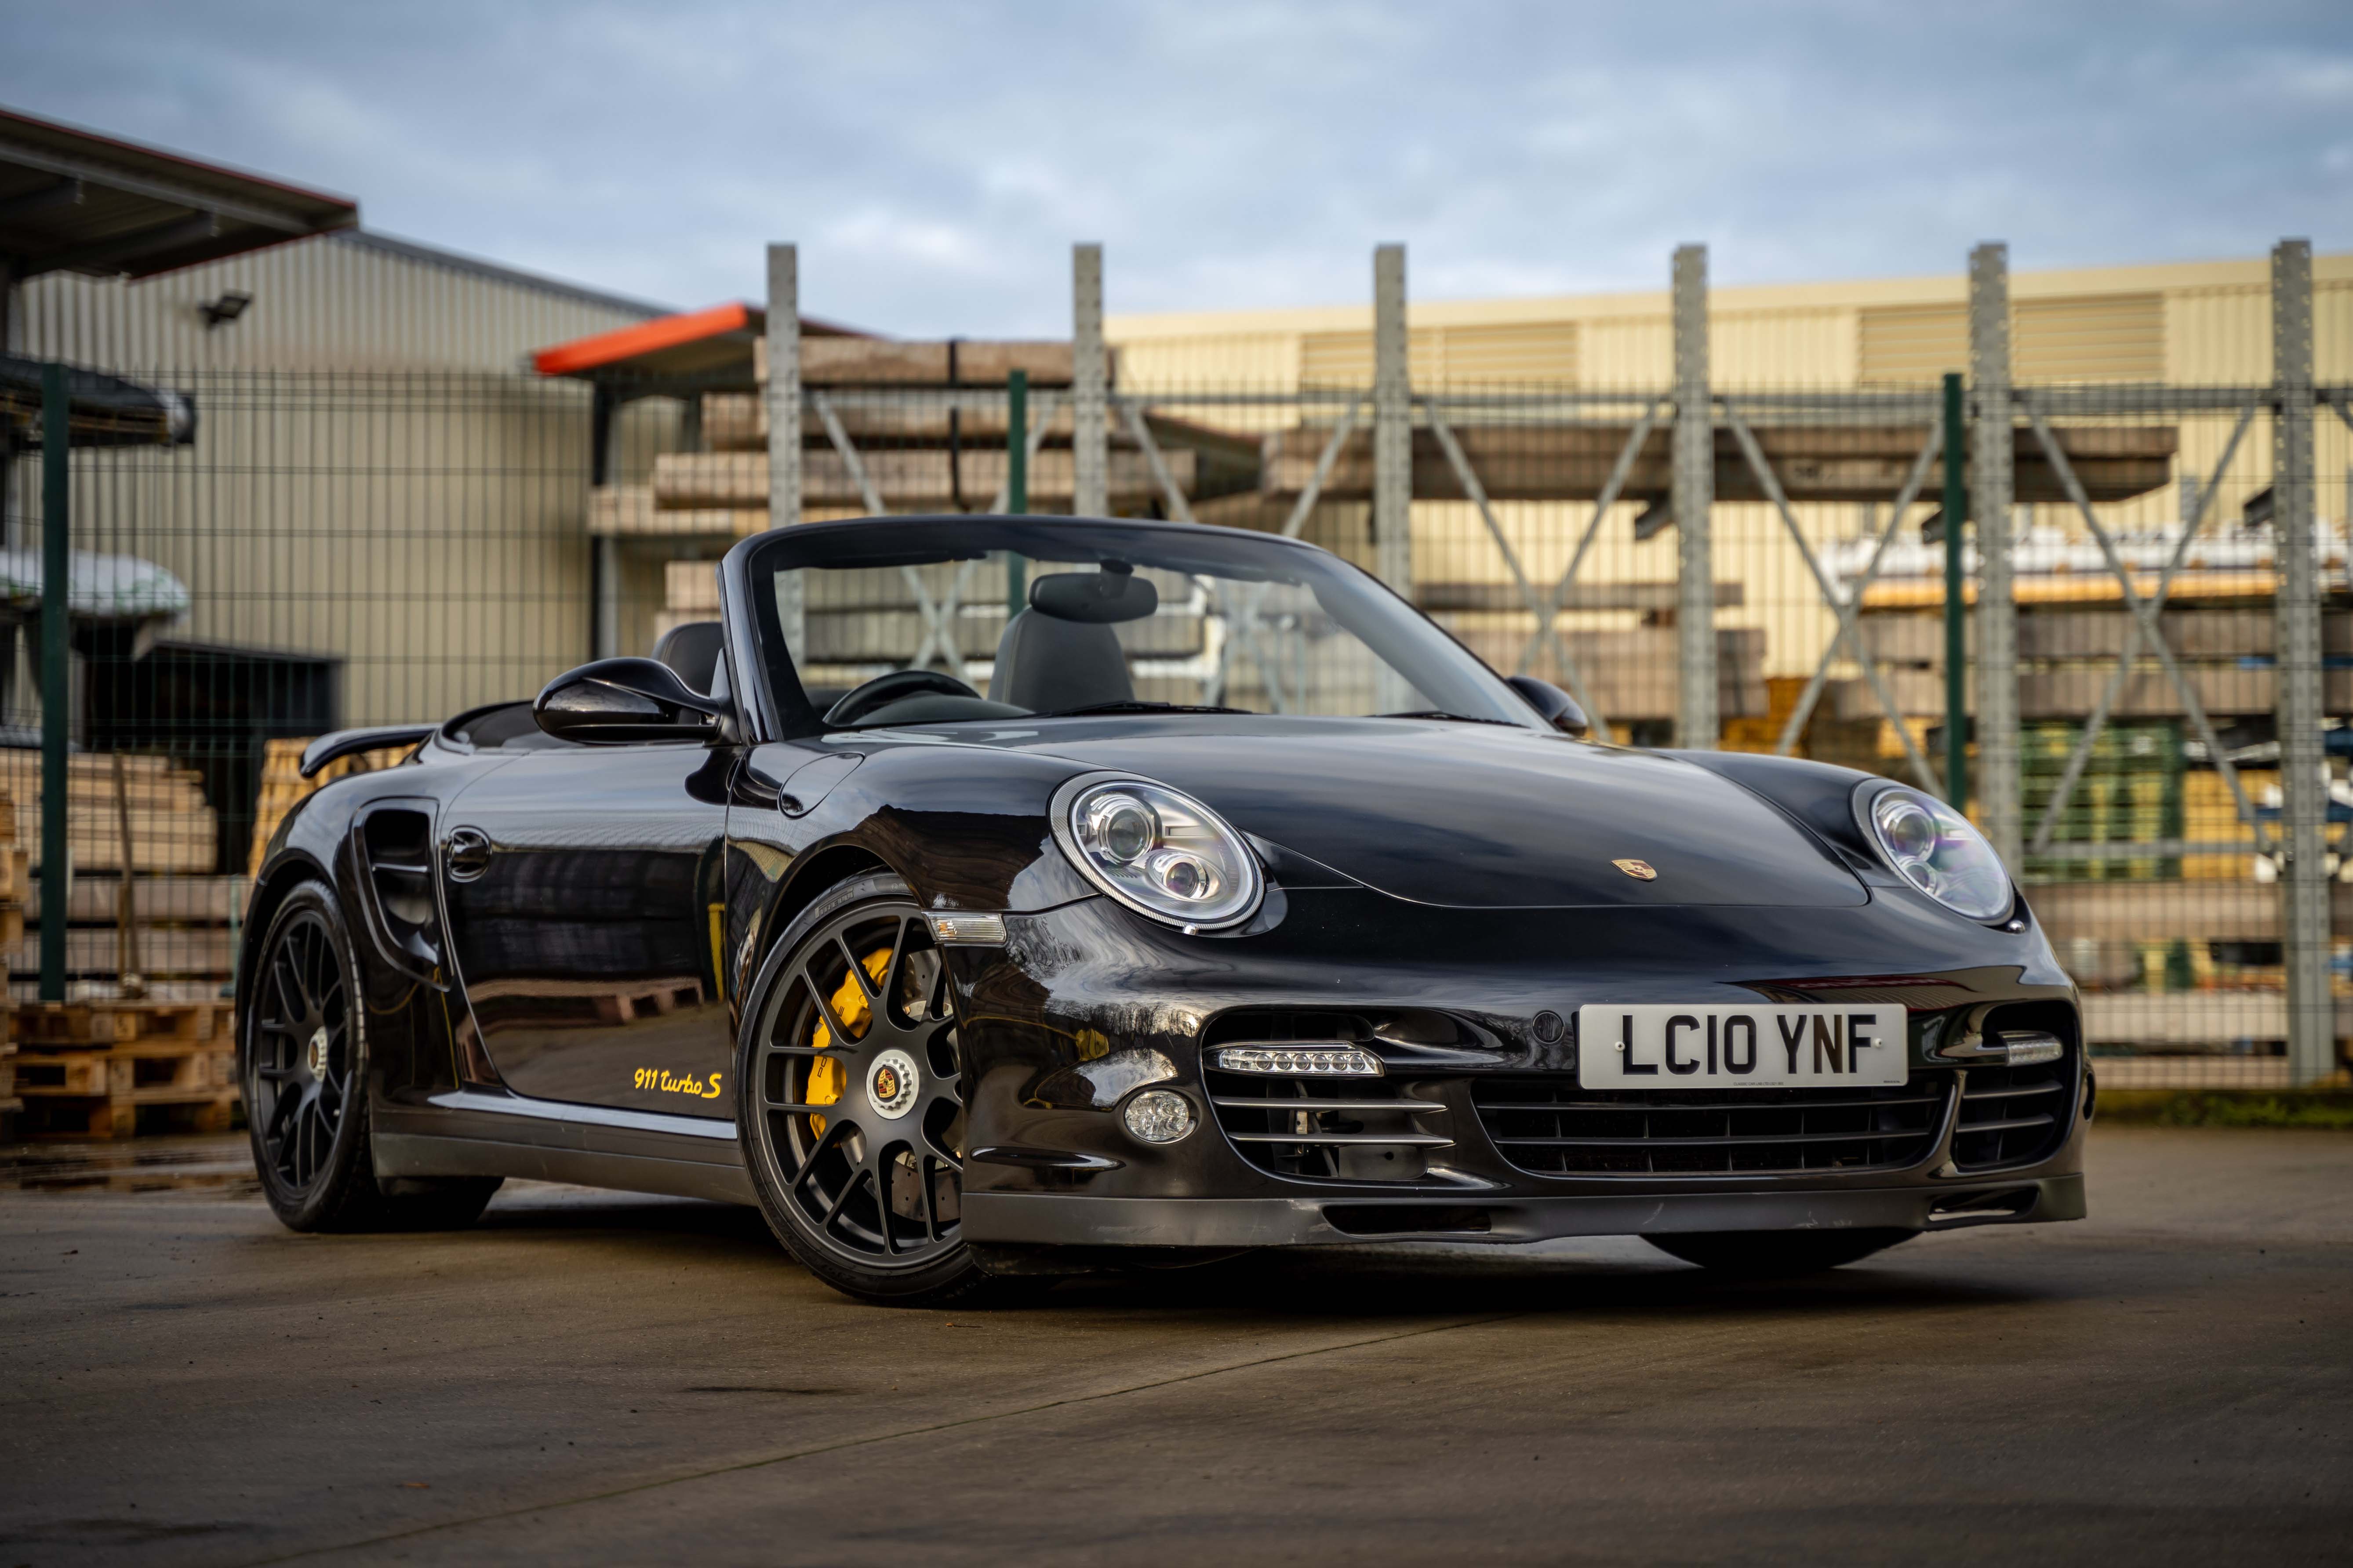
<point>1042,616</point>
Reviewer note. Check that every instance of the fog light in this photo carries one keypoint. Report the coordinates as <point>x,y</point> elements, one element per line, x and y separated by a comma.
<point>1158,1116</point>
<point>1299,1061</point>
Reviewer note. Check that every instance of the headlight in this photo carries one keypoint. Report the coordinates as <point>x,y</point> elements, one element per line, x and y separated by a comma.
<point>1935,849</point>
<point>1158,852</point>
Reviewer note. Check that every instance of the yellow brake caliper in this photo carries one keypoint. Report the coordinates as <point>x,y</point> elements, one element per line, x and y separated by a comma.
<point>827,1076</point>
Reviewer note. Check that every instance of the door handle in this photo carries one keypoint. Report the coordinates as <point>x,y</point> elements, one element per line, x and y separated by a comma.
<point>465,854</point>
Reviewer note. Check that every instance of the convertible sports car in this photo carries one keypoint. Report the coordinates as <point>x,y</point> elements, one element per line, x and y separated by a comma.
<point>1247,909</point>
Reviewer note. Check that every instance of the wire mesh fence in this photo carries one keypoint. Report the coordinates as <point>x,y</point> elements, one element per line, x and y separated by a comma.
<point>332,551</point>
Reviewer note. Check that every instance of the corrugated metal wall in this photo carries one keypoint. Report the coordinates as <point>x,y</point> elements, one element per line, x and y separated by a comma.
<point>376,475</point>
<point>1463,356</point>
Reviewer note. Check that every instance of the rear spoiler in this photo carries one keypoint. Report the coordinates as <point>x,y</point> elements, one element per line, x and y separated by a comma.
<point>344,742</point>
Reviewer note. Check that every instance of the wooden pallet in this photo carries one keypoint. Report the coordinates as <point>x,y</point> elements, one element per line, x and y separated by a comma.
<point>183,1085</point>
<point>68,1024</point>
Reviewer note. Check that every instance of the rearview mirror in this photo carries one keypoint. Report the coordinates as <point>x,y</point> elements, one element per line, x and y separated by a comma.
<point>622,701</point>
<point>1554,706</point>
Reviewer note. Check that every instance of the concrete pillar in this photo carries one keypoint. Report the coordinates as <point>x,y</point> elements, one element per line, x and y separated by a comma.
<point>1992,458</point>
<point>1697,723</point>
<point>1090,386</point>
<point>1392,424</point>
<point>2311,1014</point>
<point>784,393</point>
<point>1392,453</point>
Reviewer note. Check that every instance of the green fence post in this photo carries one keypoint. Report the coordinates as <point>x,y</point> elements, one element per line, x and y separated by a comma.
<point>1956,681</point>
<point>1017,482</point>
<point>56,688</point>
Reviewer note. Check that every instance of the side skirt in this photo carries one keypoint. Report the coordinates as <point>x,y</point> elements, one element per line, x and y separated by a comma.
<point>474,1132</point>
<point>419,1154</point>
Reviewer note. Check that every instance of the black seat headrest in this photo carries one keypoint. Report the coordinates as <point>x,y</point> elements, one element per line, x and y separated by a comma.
<point>692,651</point>
<point>1046,663</point>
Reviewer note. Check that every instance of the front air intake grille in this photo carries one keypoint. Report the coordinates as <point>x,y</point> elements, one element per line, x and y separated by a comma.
<point>2011,1116</point>
<point>1549,1126</point>
<point>2016,1115</point>
<point>1357,1128</point>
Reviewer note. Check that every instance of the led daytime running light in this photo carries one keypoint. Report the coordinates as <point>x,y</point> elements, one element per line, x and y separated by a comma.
<point>1315,1061</point>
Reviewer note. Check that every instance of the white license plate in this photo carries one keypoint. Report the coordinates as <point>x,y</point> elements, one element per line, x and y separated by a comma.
<point>1668,1046</point>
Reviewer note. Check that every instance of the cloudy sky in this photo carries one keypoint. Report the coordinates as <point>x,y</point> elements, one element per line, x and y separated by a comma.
<point>934,159</point>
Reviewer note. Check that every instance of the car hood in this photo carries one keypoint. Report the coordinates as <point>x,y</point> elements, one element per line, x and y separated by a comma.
<point>1474,816</point>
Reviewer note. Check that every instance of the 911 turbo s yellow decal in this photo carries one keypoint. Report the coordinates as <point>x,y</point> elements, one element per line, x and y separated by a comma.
<point>686,1084</point>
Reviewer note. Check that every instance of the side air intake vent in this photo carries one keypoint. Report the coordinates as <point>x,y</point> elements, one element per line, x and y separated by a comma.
<point>395,852</point>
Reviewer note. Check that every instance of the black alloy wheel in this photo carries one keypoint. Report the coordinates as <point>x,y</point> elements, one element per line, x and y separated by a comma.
<point>303,1046</point>
<point>302,1062</point>
<point>852,1114</point>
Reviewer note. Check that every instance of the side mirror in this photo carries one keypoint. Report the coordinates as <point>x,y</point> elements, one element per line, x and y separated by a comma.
<point>622,701</point>
<point>1554,706</point>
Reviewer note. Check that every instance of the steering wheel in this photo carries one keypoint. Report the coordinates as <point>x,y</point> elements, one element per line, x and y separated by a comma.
<point>859,701</point>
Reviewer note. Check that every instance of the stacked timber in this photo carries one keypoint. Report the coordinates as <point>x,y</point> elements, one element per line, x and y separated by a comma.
<point>16,874</point>
<point>860,624</point>
<point>152,803</point>
<point>12,924</point>
<point>919,446</point>
<point>2067,651</point>
<point>1762,732</point>
<point>172,827</point>
<point>907,478</point>
<point>1628,673</point>
<point>113,1068</point>
<point>1815,462</point>
<point>177,945</point>
<point>690,593</point>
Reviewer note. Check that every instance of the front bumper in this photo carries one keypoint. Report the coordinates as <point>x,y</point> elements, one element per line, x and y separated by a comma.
<point>1055,1219</point>
<point>1087,1002</point>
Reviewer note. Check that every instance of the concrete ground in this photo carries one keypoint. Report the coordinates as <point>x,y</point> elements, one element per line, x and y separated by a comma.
<point>587,1378</point>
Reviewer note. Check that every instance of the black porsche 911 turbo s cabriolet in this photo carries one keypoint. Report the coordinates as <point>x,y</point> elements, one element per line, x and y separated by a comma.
<point>1247,909</point>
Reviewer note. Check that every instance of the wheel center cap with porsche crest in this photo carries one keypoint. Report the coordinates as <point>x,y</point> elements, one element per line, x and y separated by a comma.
<point>891,1083</point>
<point>318,1054</point>
<point>1640,870</point>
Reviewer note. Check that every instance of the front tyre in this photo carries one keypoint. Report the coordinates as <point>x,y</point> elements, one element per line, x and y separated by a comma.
<point>851,1109</point>
<point>302,1060</point>
<point>1774,1254</point>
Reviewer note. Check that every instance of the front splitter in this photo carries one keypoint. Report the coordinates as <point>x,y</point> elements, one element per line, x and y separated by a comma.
<point>1058,1219</point>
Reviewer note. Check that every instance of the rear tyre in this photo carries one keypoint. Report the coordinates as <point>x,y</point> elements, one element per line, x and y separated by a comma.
<point>302,1060</point>
<point>850,1106</point>
<point>1775,1254</point>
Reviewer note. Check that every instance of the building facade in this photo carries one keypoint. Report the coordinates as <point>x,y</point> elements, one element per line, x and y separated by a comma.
<point>377,480</point>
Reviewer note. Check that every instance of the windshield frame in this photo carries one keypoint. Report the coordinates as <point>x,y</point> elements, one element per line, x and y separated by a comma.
<point>750,570</point>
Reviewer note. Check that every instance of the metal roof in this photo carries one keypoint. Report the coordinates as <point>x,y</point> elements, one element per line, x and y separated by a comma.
<point>72,200</point>
<point>496,272</point>
<point>715,341</point>
<point>714,344</point>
